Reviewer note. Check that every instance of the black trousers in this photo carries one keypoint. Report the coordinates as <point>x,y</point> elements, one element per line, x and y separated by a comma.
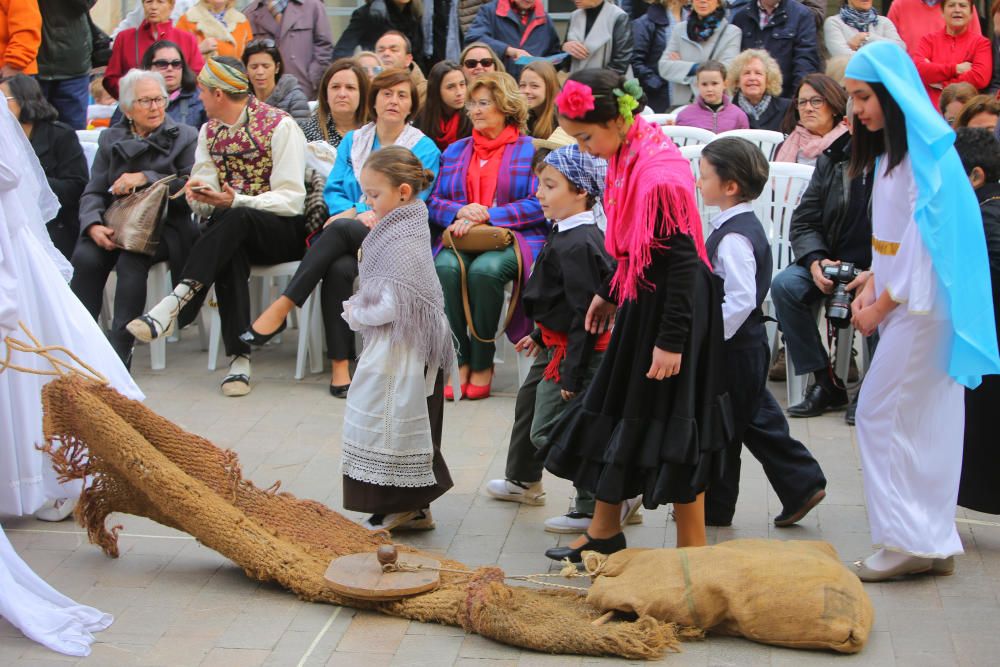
<point>233,241</point>
<point>760,424</point>
<point>332,258</point>
<point>91,267</point>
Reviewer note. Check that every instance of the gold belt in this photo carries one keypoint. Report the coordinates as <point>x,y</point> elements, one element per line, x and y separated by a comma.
<point>884,247</point>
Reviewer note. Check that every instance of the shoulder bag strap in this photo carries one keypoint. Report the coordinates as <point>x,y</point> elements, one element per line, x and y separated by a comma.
<point>515,295</point>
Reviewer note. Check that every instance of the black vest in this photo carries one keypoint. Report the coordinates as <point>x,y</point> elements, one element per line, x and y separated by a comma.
<point>752,331</point>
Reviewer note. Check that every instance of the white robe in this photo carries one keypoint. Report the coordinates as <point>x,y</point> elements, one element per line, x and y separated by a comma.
<point>911,415</point>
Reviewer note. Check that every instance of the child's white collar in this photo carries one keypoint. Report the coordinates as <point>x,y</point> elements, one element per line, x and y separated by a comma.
<point>573,221</point>
<point>730,213</point>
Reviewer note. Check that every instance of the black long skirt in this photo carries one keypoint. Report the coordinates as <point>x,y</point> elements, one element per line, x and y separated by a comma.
<point>980,486</point>
<point>664,439</point>
<point>375,499</point>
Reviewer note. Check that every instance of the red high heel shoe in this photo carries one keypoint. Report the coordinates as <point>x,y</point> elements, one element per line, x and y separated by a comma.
<point>449,391</point>
<point>475,392</point>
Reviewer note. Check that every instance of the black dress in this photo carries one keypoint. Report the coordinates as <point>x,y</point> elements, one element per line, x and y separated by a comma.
<point>664,439</point>
<point>979,490</point>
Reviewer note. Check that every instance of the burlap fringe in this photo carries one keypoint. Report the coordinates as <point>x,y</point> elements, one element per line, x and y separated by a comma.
<point>140,463</point>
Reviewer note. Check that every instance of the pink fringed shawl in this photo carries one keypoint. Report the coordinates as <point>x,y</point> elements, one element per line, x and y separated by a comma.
<point>649,195</point>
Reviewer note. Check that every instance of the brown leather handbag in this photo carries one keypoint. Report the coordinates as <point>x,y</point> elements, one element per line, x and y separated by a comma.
<point>137,218</point>
<point>476,241</point>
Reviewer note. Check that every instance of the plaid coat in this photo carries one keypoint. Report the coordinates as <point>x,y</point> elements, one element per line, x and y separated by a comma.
<point>517,208</point>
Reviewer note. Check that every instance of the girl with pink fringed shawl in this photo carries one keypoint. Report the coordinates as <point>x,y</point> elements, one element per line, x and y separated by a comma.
<point>655,419</point>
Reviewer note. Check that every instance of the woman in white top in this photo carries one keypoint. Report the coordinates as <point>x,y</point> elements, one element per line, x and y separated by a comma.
<point>705,35</point>
<point>857,24</point>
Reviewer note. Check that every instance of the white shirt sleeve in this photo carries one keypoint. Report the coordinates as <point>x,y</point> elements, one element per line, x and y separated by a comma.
<point>203,170</point>
<point>735,264</point>
<point>374,315</point>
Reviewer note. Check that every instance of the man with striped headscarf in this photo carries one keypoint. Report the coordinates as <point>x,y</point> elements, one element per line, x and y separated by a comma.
<point>248,183</point>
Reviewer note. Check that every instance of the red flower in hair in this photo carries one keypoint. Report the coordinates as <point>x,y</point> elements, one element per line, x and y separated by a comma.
<point>575,100</point>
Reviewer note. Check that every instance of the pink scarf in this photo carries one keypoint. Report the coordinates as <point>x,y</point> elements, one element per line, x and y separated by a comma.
<point>648,196</point>
<point>808,144</point>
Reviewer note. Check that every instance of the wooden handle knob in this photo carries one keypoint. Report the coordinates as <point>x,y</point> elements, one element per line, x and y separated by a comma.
<point>387,554</point>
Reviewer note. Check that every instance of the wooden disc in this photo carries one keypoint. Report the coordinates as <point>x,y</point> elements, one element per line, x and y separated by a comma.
<point>360,576</point>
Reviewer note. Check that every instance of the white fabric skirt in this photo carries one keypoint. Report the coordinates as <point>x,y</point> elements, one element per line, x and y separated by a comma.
<point>56,317</point>
<point>41,612</point>
<point>910,425</point>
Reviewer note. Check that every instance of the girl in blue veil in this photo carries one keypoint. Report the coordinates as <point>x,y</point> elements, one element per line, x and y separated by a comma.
<point>929,297</point>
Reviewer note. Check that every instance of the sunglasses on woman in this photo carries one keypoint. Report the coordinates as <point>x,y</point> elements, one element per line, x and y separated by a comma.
<point>482,62</point>
<point>168,64</point>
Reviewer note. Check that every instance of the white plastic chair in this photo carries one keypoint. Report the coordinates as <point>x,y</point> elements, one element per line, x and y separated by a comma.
<point>687,136</point>
<point>659,118</point>
<point>89,152</point>
<point>313,105</point>
<point>157,287</point>
<point>766,140</point>
<point>693,155</point>
<point>310,345</point>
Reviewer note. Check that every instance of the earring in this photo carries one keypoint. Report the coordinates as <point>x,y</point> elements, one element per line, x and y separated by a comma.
<point>402,199</point>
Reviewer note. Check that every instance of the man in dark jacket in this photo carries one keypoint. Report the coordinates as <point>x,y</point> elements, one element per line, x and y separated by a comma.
<point>650,34</point>
<point>64,58</point>
<point>515,28</point>
<point>832,224</point>
<point>787,30</point>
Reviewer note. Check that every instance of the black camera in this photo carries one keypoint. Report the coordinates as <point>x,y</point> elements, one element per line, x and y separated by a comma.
<point>838,304</point>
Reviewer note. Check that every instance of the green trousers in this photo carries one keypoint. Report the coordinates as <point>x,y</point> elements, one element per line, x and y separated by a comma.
<point>487,275</point>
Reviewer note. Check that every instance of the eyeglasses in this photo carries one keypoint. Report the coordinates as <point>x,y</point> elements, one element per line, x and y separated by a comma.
<point>472,105</point>
<point>265,42</point>
<point>814,102</point>
<point>168,64</point>
<point>482,62</point>
<point>151,102</point>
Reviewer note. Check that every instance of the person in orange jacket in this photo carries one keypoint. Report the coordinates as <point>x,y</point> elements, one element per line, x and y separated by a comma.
<point>220,29</point>
<point>20,37</point>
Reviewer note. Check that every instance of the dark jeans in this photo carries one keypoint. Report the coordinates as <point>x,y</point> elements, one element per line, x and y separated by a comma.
<point>235,239</point>
<point>487,275</point>
<point>332,258</point>
<point>795,296</point>
<point>91,267</point>
<point>760,424</point>
<point>70,98</point>
<point>538,407</point>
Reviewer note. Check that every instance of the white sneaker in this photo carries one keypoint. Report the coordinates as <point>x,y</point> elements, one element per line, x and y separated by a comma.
<point>632,511</point>
<point>57,510</point>
<point>518,492</point>
<point>571,523</point>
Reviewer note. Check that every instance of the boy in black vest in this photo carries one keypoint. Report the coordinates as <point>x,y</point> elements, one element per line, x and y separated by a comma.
<point>733,174</point>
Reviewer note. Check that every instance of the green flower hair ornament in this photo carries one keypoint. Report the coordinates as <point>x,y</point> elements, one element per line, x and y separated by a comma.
<point>628,99</point>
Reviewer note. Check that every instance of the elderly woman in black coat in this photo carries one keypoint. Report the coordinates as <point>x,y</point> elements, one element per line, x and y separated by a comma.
<point>59,152</point>
<point>146,146</point>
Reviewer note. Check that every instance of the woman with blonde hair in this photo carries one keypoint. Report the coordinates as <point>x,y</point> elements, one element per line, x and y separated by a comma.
<point>220,29</point>
<point>478,58</point>
<point>755,82</point>
<point>487,180</point>
<point>539,85</point>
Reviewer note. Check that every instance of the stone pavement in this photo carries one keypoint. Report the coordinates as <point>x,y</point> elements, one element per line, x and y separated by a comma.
<point>177,603</point>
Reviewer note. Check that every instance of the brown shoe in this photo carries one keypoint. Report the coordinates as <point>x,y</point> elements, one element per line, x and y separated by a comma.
<point>786,519</point>
<point>778,372</point>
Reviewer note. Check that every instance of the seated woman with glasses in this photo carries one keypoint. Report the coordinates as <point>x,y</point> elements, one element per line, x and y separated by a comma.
<point>813,121</point>
<point>184,105</point>
<point>145,146</point>
<point>478,58</point>
<point>270,84</point>
<point>333,254</point>
<point>486,180</point>
<point>220,29</point>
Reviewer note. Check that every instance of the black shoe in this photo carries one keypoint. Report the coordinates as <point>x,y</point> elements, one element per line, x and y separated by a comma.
<point>721,523</point>
<point>251,337</point>
<point>818,400</point>
<point>606,546</point>
<point>787,518</point>
<point>339,390</point>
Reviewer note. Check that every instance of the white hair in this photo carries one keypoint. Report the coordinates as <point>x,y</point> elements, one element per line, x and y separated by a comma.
<point>126,85</point>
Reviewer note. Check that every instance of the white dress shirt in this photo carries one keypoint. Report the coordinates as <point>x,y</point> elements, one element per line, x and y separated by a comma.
<point>574,221</point>
<point>735,264</point>
<point>287,196</point>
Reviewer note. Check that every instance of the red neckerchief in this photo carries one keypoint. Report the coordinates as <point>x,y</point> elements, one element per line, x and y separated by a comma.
<point>448,131</point>
<point>482,178</point>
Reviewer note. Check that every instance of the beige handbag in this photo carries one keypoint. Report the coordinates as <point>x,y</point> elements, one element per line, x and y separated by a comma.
<point>136,219</point>
<point>476,241</point>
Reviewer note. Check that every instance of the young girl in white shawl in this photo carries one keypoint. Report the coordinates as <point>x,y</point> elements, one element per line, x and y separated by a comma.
<point>392,463</point>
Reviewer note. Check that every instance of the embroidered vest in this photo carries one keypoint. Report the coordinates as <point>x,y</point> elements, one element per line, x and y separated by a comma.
<point>242,153</point>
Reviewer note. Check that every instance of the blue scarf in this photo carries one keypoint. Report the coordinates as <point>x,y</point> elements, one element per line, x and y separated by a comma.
<point>946,212</point>
<point>860,21</point>
<point>701,28</point>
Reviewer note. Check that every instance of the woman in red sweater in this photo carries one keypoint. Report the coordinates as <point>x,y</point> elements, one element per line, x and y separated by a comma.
<point>132,43</point>
<point>955,53</point>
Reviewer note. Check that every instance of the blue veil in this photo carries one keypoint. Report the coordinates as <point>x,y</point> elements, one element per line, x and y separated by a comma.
<point>947,212</point>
